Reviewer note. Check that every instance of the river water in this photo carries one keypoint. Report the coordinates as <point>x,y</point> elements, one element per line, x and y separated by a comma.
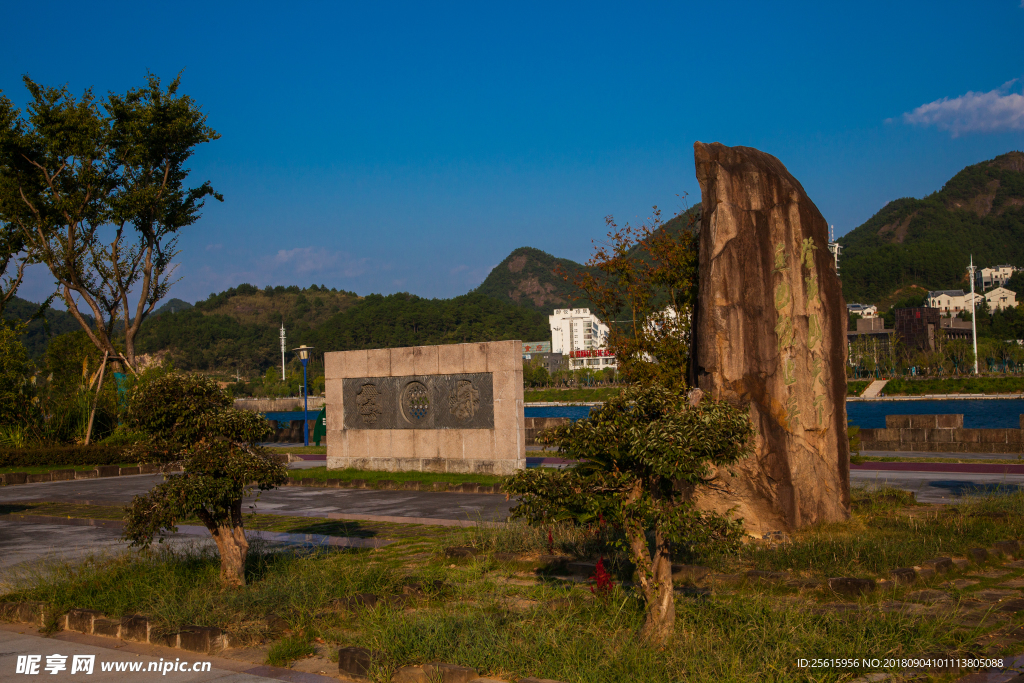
<point>978,413</point>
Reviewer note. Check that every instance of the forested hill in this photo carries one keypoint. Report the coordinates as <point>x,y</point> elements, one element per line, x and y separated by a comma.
<point>232,330</point>
<point>527,276</point>
<point>39,331</point>
<point>928,242</point>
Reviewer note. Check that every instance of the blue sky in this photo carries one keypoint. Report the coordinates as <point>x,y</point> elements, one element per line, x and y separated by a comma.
<point>383,147</point>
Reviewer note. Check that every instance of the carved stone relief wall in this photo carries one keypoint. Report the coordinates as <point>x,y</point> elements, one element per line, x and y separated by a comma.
<point>462,401</point>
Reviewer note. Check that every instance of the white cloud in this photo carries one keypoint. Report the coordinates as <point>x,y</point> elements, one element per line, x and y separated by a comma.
<point>305,260</point>
<point>214,247</point>
<point>975,112</point>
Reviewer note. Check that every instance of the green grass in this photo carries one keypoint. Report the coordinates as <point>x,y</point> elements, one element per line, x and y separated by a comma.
<point>289,649</point>
<point>323,474</point>
<point>299,450</point>
<point>569,395</point>
<point>966,385</point>
<point>856,387</point>
<point>498,618</point>
<point>50,468</point>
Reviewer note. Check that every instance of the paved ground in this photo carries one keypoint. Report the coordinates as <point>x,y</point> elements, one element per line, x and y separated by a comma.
<point>289,500</point>
<point>20,640</point>
<point>928,454</point>
<point>938,487</point>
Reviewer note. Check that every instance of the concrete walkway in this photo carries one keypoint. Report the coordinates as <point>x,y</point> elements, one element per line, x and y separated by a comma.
<point>22,640</point>
<point>874,389</point>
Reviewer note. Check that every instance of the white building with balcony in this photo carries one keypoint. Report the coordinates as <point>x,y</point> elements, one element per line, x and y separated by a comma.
<point>996,276</point>
<point>581,337</point>
<point>863,310</point>
<point>1000,298</point>
<point>952,301</point>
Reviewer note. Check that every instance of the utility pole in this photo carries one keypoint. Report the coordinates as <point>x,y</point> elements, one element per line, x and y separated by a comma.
<point>974,321</point>
<point>282,351</point>
<point>834,247</point>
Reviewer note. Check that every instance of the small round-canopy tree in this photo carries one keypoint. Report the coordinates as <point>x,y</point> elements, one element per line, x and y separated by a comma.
<point>641,458</point>
<point>190,420</point>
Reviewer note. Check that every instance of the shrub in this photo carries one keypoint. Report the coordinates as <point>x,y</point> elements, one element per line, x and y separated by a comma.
<point>64,456</point>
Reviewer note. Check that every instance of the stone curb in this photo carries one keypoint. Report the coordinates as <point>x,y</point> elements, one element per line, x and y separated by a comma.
<point>352,661</point>
<point>390,485</point>
<point>13,478</point>
<point>134,628</point>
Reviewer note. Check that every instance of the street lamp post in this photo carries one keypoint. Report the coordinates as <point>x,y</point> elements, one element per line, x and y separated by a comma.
<point>304,357</point>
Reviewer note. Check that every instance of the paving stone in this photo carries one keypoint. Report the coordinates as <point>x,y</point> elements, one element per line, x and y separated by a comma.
<point>804,583</point>
<point>1013,583</point>
<point>135,628</point>
<point>903,575</point>
<point>106,627</point>
<point>355,661</point>
<point>994,574</point>
<point>693,591</point>
<point>198,638</point>
<point>488,680</point>
<point>449,673</point>
<point>924,572</point>
<point>80,620</point>
<point>461,552</point>
<point>1008,548</point>
<point>1016,564</point>
<point>410,674</point>
<point>1011,605</point>
<point>848,585</point>
<point>314,665</point>
<point>941,565</point>
<point>928,595</point>
<point>960,584</point>
<point>995,595</point>
<point>961,563</point>
<point>505,557</point>
<point>537,680</point>
<point>584,569</point>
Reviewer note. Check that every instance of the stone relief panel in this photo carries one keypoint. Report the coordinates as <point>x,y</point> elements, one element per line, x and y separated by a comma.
<point>464,401</point>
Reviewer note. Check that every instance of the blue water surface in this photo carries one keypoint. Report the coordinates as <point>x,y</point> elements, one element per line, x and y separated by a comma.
<point>978,413</point>
<point>996,413</point>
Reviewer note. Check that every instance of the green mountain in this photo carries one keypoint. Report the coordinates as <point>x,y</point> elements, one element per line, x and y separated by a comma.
<point>527,276</point>
<point>929,242</point>
<point>40,329</point>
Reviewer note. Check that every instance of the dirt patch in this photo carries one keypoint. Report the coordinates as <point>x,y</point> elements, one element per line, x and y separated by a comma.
<point>531,288</point>
<point>898,230</point>
<point>516,265</point>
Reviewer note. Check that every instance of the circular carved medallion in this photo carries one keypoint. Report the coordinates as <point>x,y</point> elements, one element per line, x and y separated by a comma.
<point>415,402</point>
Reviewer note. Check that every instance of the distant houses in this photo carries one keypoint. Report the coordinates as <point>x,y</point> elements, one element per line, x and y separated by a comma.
<point>996,276</point>
<point>954,301</point>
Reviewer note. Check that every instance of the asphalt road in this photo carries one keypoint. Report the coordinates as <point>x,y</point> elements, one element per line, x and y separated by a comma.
<point>287,500</point>
<point>938,487</point>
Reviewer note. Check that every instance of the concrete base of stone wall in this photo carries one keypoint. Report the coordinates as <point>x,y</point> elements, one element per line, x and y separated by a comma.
<point>445,465</point>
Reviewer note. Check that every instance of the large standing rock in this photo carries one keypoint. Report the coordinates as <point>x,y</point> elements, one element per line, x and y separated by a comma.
<point>770,332</point>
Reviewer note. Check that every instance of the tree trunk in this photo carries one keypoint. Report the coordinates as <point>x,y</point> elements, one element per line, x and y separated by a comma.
<point>661,604</point>
<point>654,573</point>
<point>230,538</point>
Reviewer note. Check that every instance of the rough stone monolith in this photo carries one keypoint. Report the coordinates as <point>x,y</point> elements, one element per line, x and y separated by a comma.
<point>770,333</point>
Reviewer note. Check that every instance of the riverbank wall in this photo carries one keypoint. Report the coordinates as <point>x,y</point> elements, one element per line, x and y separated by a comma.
<point>941,434</point>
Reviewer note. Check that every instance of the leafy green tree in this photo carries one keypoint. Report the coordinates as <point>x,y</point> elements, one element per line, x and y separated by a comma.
<point>642,457</point>
<point>96,190</point>
<point>189,419</point>
<point>15,391</point>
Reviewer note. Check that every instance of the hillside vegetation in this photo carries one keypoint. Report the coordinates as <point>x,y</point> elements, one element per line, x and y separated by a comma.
<point>928,242</point>
<point>527,276</point>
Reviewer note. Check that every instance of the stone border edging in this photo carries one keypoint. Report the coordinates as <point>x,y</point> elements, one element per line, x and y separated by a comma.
<point>14,478</point>
<point>391,485</point>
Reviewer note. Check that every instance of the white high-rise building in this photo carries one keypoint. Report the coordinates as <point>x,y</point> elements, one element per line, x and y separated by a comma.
<point>581,337</point>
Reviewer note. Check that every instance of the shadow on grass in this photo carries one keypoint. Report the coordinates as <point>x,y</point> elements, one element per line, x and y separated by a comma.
<point>12,508</point>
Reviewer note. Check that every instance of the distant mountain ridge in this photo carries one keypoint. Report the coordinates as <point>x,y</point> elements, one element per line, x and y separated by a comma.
<point>928,242</point>
<point>527,278</point>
